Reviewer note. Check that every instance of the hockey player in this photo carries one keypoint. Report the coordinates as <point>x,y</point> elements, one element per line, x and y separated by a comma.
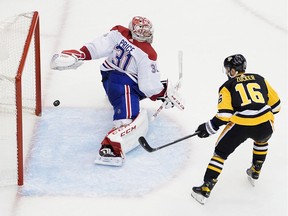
<point>129,74</point>
<point>246,105</point>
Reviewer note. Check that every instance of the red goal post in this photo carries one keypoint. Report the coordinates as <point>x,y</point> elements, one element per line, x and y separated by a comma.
<point>20,87</point>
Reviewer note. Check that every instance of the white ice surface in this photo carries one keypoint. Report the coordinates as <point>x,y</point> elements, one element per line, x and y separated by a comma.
<point>60,177</point>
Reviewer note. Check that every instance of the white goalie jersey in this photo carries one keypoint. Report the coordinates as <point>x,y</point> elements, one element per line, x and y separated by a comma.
<point>136,59</point>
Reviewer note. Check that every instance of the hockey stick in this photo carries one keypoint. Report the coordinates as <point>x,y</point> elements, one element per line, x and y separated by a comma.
<point>143,142</point>
<point>180,57</point>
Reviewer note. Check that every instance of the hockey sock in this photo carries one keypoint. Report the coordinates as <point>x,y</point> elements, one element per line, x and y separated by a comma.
<point>214,168</point>
<point>259,151</point>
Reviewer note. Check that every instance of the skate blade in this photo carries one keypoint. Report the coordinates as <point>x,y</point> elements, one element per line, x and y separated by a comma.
<point>199,198</point>
<point>109,161</point>
<point>251,180</point>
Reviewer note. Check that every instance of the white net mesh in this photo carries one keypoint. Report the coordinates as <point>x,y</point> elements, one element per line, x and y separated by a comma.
<point>13,35</point>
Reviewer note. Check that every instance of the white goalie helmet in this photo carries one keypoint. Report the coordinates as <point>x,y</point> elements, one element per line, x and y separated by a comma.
<point>141,29</point>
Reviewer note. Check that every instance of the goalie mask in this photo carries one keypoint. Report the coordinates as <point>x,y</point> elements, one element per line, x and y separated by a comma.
<point>141,29</point>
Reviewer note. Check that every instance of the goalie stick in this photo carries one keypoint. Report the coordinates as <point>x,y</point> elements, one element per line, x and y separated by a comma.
<point>143,142</point>
<point>180,58</point>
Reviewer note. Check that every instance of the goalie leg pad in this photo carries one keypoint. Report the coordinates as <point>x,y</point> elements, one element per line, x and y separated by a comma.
<point>127,135</point>
<point>123,140</point>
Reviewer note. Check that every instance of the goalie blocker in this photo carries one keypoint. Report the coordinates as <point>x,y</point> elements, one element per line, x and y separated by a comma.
<point>171,96</point>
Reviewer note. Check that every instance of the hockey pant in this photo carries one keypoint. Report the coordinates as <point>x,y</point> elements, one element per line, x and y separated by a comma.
<point>231,137</point>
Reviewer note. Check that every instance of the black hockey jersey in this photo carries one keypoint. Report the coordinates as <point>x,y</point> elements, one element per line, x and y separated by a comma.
<point>247,99</point>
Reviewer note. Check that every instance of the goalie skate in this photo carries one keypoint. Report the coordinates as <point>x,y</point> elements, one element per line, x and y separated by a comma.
<point>107,157</point>
<point>109,161</point>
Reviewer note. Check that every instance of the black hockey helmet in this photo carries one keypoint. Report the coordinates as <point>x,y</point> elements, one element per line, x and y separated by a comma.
<point>237,61</point>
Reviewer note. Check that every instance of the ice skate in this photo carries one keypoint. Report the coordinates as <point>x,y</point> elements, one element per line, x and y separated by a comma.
<point>108,157</point>
<point>253,172</point>
<point>201,193</point>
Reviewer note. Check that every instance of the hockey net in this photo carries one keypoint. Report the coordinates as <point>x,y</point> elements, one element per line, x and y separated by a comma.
<point>20,91</point>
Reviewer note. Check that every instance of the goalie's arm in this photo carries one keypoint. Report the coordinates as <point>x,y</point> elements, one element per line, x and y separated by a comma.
<point>70,59</point>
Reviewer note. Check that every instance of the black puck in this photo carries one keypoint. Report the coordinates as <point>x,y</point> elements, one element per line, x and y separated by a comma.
<point>56,103</point>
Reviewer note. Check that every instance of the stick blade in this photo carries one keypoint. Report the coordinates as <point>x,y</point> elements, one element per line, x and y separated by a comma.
<point>143,142</point>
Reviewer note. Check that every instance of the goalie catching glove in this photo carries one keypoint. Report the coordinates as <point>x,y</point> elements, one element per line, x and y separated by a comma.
<point>67,59</point>
<point>171,96</point>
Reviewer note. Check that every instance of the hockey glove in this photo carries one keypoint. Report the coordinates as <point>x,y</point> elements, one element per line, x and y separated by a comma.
<point>171,96</point>
<point>206,129</point>
<point>168,103</point>
<point>67,59</point>
<point>164,98</point>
